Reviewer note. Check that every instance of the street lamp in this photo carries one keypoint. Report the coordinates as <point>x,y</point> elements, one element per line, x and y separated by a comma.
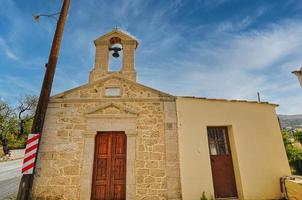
<point>298,73</point>
<point>37,17</point>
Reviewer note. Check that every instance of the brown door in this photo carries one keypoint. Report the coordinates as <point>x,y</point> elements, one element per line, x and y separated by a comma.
<point>221,163</point>
<point>109,174</point>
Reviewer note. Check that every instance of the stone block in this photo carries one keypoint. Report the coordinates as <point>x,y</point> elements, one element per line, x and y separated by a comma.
<point>139,179</point>
<point>156,156</point>
<point>149,179</point>
<point>155,197</point>
<point>63,133</point>
<point>143,155</point>
<point>72,193</point>
<point>157,172</point>
<point>59,180</point>
<point>75,180</point>
<point>140,164</point>
<point>159,148</point>
<point>142,172</point>
<point>49,172</point>
<point>141,191</point>
<point>152,164</point>
<point>71,170</point>
<point>68,155</point>
<point>46,155</point>
<point>150,142</point>
<point>141,147</point>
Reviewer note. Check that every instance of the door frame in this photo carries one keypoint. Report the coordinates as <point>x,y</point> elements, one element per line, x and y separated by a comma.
<point>94,125</point>
<point>231,150</point>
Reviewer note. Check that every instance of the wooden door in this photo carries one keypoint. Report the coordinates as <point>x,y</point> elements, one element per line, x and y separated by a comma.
<point>109,174</point>
<point>221,163</point>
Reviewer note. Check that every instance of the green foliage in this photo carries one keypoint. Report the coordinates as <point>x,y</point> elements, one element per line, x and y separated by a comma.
<point>6,124</point>
<point>298,136</point>
<point>16,143</point>
<point>15,123</point>
<point>294,154</point>
<point>203,197</point>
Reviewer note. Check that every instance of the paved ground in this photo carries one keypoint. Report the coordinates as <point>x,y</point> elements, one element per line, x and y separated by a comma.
<point>10,175</point>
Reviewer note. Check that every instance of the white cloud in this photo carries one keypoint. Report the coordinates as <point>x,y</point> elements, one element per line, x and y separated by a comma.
<point>212,3</point>
<point>7,50</point>
<point>20,83</point>
<point>231,25</point>
<point>238,65</point>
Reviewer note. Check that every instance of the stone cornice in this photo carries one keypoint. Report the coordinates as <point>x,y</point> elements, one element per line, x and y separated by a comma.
<point>90,100</point>
<point>111,116</point>
<point>126,110</point>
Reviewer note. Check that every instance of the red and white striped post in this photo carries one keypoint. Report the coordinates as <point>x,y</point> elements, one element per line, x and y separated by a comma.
<point>30,153</point>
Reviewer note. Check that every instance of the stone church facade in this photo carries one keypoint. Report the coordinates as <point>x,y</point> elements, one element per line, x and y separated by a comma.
<point>147,116</point>
<point>114,138</point>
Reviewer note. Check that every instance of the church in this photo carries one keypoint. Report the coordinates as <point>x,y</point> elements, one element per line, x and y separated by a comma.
<point>115,139</point>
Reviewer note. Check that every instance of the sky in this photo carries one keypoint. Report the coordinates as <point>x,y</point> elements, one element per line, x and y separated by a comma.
<point>207,48</point>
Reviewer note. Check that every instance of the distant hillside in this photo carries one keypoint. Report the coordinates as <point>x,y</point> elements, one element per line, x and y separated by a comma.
<point>293,121</point>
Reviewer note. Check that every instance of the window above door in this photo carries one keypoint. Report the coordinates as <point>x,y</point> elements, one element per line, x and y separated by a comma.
<point>218,140</point>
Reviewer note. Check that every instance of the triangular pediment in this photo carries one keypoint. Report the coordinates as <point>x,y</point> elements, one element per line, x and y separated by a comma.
<point>112,110</point>
<point>117,33</point>
<point>95,90</point>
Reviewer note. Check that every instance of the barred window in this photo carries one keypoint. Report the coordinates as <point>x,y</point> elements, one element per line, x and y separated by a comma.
<point>218,140</point>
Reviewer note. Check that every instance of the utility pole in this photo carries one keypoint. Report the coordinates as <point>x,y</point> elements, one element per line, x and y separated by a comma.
<point>25,187</point>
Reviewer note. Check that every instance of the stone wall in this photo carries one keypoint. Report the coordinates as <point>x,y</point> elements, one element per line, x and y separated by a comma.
<point>150,162</point>
<point>61,156</point>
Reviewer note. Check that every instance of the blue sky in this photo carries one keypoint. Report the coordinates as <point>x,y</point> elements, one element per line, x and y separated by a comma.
<point>210,48</point>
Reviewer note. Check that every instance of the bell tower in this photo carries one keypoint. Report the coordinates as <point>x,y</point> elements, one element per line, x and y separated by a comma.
<point>105,45</point>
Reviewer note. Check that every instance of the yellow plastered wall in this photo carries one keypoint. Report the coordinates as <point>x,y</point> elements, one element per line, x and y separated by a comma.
<point>258,153</point>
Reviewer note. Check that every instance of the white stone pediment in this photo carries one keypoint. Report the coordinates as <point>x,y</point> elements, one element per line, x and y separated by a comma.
<point>114,110</point>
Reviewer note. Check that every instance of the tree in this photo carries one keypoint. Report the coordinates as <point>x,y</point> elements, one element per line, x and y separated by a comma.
<point>294,154</point>
<point>25,111</point>
<point>15,124</point>
<point>298,136</point>
<point>6,124</point>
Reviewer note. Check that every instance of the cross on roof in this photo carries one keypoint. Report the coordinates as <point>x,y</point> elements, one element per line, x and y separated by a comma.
<point>116,28</point>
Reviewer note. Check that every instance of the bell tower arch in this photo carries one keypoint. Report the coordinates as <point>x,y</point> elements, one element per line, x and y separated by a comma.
<point>105,45</point>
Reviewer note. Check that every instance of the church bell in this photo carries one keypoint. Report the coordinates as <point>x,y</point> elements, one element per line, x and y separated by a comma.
<point>115,51</point>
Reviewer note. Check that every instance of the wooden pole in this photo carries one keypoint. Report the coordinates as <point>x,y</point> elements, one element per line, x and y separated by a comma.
<point>25,187</point>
